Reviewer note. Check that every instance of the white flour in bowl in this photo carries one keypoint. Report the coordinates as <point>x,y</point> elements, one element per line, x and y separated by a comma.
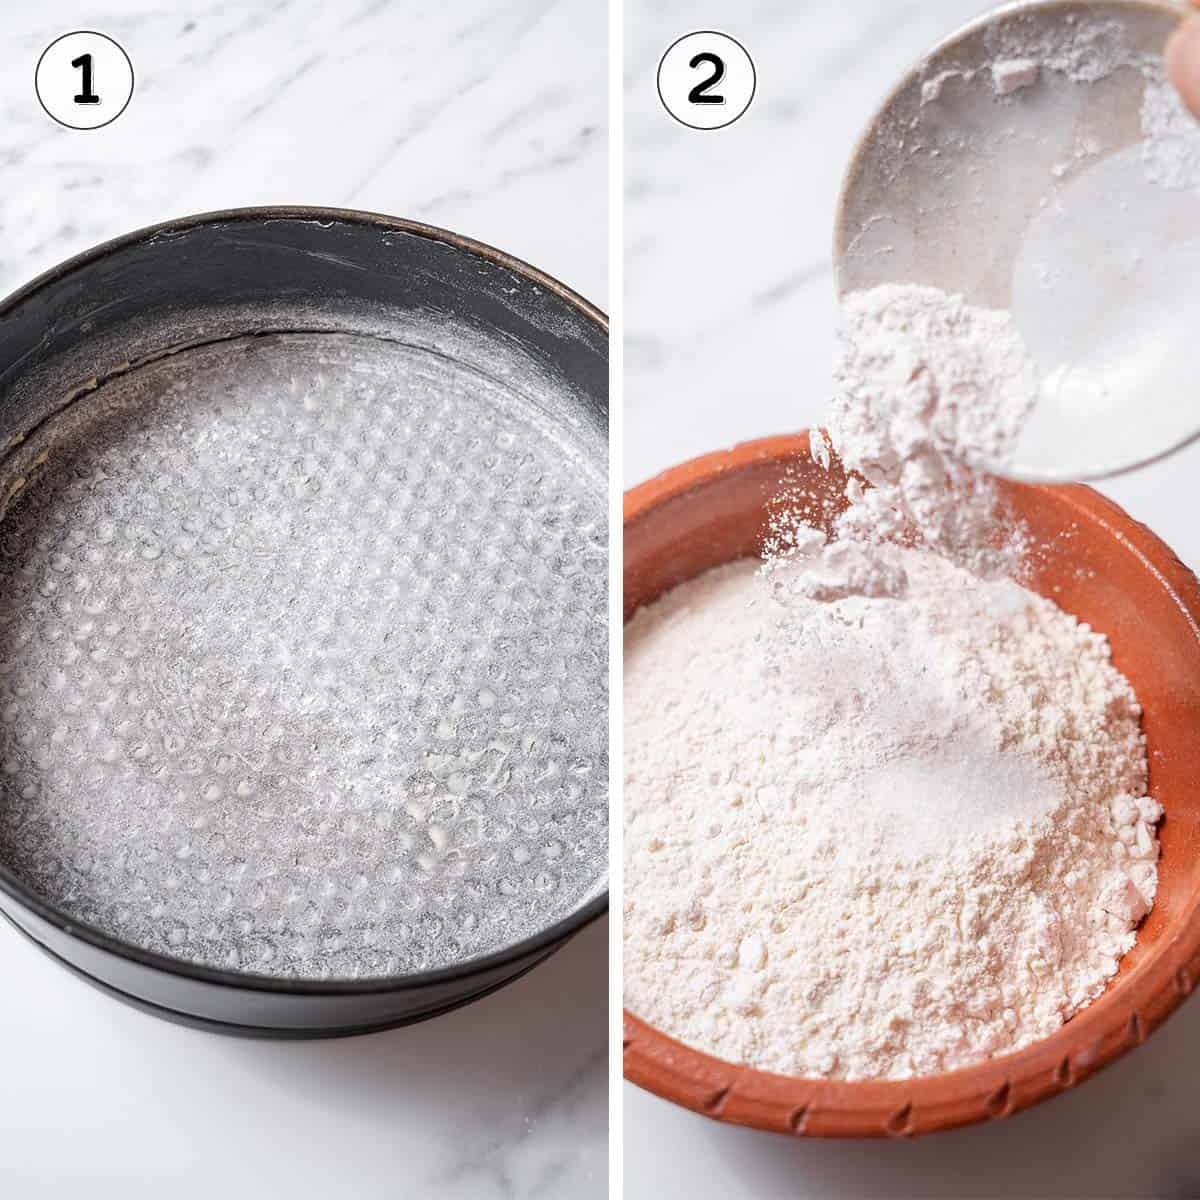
<point>876,837</point>
<point>885,808</point>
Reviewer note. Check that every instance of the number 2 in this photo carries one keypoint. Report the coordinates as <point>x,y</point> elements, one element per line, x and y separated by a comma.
<point>87,95</point>
<point>700,94</point>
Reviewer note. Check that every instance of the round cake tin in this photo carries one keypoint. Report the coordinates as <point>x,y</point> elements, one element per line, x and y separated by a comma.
<point>447,404</point>
<point>1096,563</point>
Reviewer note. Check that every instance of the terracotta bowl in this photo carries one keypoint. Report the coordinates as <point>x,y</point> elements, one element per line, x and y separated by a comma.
<point>1107,570</point>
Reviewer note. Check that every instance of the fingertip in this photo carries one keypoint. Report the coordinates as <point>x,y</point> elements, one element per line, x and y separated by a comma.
<point>1183,62</point>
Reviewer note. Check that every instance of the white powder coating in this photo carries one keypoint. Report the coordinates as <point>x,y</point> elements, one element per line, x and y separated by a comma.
<point>303,660</point>
<point>1086,52</point>
<point>1083,51</point>
<point>928,391</point>
<point>875,836</point>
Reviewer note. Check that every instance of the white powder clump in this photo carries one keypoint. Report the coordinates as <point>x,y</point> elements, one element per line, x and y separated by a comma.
<point>875,836</point>
<point>931,88</point>
<point>1012,74</point>
<point>929,392</point>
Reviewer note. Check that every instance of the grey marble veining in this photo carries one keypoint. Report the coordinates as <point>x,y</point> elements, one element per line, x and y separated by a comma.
<point>488,119</point>
<point>729,314</point>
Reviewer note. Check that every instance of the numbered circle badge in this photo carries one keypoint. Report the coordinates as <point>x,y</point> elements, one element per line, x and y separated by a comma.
<point>84,80</point>
<point>706,80</point>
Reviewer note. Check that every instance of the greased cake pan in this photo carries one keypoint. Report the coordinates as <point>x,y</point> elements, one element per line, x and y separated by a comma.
<point>303,634</point>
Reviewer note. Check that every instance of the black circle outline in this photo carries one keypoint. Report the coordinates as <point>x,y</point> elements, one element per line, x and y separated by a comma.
<point>124,55</point>
<point>753,81</point>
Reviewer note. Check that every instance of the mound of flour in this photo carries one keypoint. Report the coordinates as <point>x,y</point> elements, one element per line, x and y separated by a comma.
<point>885,809</point>
<point>875,835</point>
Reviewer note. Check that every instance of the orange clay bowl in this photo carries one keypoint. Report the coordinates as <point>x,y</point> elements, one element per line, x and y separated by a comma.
<point>1104,568</point>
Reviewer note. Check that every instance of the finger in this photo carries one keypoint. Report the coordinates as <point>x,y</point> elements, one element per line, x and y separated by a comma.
<point>1183,62</point>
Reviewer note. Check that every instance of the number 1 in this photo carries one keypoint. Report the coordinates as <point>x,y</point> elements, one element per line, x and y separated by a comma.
<point>87,96</point>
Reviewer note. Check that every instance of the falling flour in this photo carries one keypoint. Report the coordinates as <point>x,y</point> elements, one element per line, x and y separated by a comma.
<point>885,808</point>
<point>929,391</point>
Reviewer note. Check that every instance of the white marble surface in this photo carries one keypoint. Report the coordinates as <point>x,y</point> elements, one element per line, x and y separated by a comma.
<point>488,119</point>
<point>729,317</point>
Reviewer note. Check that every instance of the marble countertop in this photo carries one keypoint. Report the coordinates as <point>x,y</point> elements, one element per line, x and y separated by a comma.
<point>490,120</point>
<point>729,324</point>
<point>487,119</point>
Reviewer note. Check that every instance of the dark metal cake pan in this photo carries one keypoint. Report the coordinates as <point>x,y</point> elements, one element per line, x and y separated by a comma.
<point>303,634</point>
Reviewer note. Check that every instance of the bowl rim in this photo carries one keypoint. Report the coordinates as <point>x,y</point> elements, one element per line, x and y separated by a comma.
<point>1099,1034</point>
<point>14,887</point>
